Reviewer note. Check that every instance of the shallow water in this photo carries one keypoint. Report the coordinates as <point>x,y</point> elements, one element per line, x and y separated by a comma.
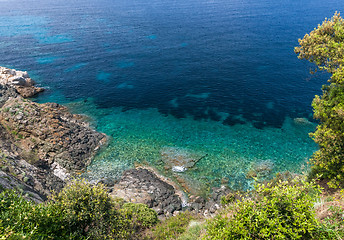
<point>225,152</point>
<point>216,78</point>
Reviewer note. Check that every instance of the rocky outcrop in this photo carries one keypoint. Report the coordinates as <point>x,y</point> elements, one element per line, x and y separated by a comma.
<point>143,186</point>
<point>211,204</point>
<point>48,132</point>
<point>20,81</point>
<point>42,145</point>
<point>9,182</point>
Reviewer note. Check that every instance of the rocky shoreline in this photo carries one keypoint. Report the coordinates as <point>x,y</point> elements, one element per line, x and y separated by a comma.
<point>43,145</point>
<point>145,185</point>
<point>19,80</point>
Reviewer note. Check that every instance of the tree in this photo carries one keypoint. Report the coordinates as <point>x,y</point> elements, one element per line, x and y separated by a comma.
<point>324,46</point>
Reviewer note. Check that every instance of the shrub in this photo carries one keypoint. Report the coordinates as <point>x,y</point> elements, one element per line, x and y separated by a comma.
<point>79,211</point>
<point>139,214</point>
<point>15,216</point>
<point>88,212</point>
<point>276,211</point>
<point>172,227</point>
<point>324,47</point>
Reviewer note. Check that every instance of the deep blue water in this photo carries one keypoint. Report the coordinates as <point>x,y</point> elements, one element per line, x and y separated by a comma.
<point>233,56</point>
<point>230,61</point>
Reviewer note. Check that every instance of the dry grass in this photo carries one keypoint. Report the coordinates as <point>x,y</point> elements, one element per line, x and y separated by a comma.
<point>330,198</point>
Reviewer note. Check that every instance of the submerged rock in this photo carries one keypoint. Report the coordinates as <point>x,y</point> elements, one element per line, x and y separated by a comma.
<point>260,169</point>
<point>302,121</point>
<point>179,159</point>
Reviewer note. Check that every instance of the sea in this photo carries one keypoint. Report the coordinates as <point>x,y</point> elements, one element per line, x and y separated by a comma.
<point>207,92</point>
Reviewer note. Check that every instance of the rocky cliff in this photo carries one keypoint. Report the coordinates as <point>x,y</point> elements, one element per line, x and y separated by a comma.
<point>41,145</point>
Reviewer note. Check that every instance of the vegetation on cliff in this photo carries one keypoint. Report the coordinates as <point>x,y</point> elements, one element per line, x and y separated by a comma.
<point>79,211</point>
<point>285,208</point>
<point>324,46</point>
<point>282,210</point>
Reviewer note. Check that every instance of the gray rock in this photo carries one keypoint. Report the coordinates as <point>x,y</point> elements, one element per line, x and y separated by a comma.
<point>143,186</point>
<point>41,145</point>
<point>9,182</point>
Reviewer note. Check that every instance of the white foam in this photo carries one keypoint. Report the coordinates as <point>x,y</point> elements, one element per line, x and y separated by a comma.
<point>179,169</point>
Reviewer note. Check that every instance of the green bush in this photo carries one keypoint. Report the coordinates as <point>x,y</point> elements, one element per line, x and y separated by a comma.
<point>324,47</point>
<point>276,211</point>
<point>15,216</point>
<point>88,212</point>
<point>139,214</point>
<point>79,211</point>
<point>172,227</point>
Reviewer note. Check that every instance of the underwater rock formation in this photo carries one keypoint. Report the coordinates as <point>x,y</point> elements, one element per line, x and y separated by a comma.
<point>260,169</point>
<point>179,159</point>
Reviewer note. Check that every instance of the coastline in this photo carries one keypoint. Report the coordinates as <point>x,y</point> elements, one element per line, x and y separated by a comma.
<point>57,145</point>
<point>42,145</point>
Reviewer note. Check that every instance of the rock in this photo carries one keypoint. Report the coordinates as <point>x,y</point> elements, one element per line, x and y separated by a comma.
<point>108,182</point>
<point>53,135</point>
<point>302,121</point>
<point>9,182</point>
<point>196,203</point>
<point>143,186</point>
<point>179,159</point>
<point>41,145</point>
<point>28,91</point>
<point>260,169</point>
<point>20,81</point>
<point>208,207</point>
<point>6,92</point>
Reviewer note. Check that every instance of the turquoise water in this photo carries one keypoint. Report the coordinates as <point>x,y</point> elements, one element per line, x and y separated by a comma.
<point>215,84</point>
<point>230,152</point>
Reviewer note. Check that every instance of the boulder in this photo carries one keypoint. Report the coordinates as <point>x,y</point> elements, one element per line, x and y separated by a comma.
<point>20,81</point>
<point>143,186</point>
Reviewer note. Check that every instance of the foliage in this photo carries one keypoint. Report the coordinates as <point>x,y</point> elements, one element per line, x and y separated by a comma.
<point>276,211</point>
<point>15,216</point>
<point>193,231</point>
<point>324,46</point>
<point>79,211</point>
<point>139,214</point>
<point>88,212</point>
<point>171,228</point>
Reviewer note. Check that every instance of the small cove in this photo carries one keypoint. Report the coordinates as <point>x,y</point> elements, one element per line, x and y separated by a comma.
<point>212,81</point>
